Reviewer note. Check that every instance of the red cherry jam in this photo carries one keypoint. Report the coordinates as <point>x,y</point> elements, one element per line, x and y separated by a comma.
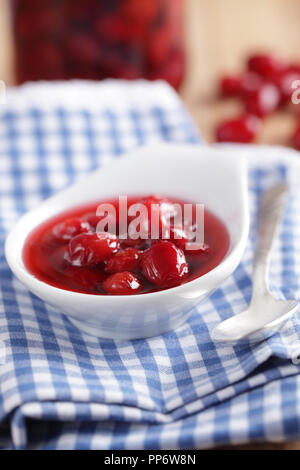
<point>69,252</point>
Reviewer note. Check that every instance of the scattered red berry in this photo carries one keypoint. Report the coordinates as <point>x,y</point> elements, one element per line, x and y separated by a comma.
<point>265,87</point>
<point>124,283</point>
<point>250,82</point>
<point>265,65</point>
<point>263,101</point>
<point>285,80</point>
<point>92,248</point>
<point>242,129</point>
<point>296,138</point>
<point>69,228</point>
<point>230,86</point>
<point>125,260</point>
<point>164,265</point>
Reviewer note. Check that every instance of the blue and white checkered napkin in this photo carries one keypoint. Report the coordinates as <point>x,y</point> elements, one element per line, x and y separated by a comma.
<point>61,389</point>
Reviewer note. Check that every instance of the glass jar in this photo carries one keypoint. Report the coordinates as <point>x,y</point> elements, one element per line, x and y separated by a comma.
<point>97,39</point>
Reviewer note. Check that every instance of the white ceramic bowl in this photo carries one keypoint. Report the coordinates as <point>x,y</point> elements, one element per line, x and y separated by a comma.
<point>200,174</point>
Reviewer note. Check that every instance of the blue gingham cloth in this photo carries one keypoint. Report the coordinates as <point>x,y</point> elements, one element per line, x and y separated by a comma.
<point>62,389</point>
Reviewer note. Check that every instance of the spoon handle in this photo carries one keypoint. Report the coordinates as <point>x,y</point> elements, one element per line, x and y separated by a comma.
<point>272,207</point>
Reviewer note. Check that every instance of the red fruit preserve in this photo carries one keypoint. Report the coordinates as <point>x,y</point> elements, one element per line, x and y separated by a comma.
<point>88,251</point>
<point>97,39</point>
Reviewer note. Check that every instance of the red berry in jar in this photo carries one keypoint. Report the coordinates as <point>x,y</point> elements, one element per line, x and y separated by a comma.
<point>230,86</point>
<point>137,11</point>
<point>164,265</point>
<point>263,101</point>
<point>69,228</point>
<point>158,47</point>
<point>242,129</point>
<point>265,65</point>
<point>82,47</point>
<point>296,138</point>
<point>124,260</point>
<point>92,248</point>
<point>39,21</point>
<point>172,70</point>
<point>122,30</point>
<point>43,59</point>
<point>124,283</point>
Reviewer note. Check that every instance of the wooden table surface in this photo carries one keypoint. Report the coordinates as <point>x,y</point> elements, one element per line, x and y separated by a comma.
<point>219,35</point>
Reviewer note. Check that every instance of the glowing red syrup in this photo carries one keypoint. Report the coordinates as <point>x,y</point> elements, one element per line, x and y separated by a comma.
<point>68,252</point>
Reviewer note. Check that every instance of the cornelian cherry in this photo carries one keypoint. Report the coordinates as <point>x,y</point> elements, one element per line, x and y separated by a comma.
<point>92,219</point>
<point>69,228</point>
<point>250,82</point>
<point>124,283</point>
<point>124,260</point>
<point>179,237</point>
<point>164,265</point>
<point>242,129</point>
<point>230,86</point>
<point>159,210</point>
<point>86,279</point>
<point>138,244</point>
<point>100,263</point>
<point>265,65</point>
<point>88,249</point>
<point>264,100</point>
<point>285,80</point>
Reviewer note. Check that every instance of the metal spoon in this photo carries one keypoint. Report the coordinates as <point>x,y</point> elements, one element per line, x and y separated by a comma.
<point>265,314</point>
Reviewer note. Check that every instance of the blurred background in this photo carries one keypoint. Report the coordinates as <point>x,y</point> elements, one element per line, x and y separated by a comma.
<point>190,43</point>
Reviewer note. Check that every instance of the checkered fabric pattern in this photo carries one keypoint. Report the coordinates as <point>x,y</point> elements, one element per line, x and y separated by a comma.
<point>62,389</point>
